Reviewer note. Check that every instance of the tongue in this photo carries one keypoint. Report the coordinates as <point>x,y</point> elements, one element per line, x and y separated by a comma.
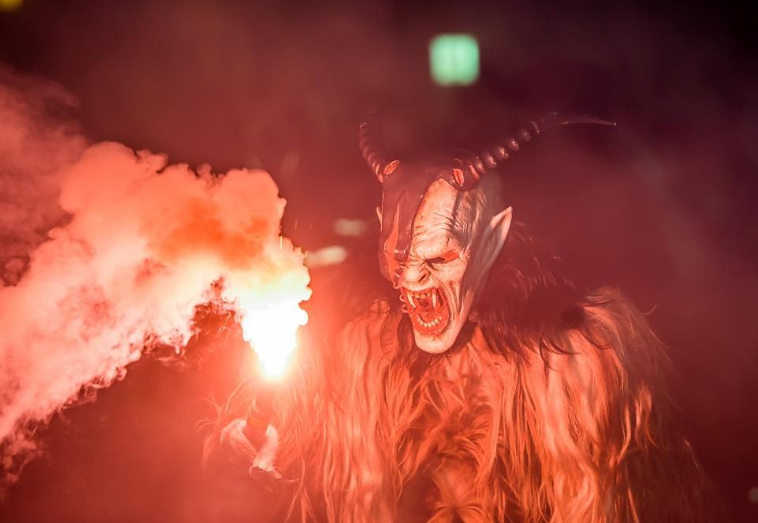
<point>427,317</point>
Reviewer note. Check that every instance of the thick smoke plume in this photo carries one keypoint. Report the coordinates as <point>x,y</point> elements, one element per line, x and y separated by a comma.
<point>137,245</point>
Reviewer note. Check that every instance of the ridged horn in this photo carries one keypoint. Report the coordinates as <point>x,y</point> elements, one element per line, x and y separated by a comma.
<point>492,157</point>
<point>371,148</point>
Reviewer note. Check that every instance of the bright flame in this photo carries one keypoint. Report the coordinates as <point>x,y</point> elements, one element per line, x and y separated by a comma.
<point>272,333</point>
<point>267,302</point>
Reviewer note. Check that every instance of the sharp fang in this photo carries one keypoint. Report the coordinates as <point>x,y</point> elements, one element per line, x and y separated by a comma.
<point>434,298</point>
<point>410,300</point>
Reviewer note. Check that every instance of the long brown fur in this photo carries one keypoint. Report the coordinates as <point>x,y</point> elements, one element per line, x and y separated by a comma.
<point>551,409</point>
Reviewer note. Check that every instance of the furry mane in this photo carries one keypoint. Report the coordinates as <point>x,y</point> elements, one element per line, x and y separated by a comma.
<point>550,409</point>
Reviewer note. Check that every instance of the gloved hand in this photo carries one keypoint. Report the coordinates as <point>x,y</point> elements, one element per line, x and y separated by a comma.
<point>261,433</point>
<point>252,441</point>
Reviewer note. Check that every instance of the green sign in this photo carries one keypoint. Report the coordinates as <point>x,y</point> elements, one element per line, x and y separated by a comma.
<point>454,59</point>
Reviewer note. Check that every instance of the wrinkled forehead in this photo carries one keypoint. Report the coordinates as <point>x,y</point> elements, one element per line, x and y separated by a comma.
<point>413,210</point>
<point>435,220</point>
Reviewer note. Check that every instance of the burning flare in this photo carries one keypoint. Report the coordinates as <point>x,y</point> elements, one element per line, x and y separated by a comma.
<point>271,330</point>
<point>124,249</point>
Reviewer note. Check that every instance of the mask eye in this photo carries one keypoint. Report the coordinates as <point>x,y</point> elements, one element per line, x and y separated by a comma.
<point>442,259</point>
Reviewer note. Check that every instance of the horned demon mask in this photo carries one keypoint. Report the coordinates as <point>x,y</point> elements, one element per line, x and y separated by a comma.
<point>443,224</point>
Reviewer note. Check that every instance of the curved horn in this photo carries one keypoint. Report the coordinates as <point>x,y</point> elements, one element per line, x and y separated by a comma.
<point>491,157</point>
<point>372,150</point>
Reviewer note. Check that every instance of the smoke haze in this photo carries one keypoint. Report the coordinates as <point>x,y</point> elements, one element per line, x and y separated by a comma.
<point>33,148</point>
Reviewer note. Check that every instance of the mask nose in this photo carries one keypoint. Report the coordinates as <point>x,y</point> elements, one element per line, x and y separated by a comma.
<point>414,275</point>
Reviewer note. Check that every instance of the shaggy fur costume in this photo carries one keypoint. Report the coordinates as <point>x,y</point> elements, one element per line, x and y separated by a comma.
<point>549,409</point>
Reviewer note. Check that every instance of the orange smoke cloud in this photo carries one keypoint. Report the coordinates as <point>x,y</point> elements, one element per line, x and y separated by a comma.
<point>143,245</point>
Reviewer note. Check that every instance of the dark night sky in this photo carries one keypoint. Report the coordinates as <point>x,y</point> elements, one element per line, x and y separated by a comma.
<point>664,206</point>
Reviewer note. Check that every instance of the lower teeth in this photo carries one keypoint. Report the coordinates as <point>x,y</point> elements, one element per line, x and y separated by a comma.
<point>430,324</point>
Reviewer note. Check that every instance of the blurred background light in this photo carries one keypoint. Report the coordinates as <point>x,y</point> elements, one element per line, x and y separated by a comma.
<point>454,59</point>
<point>10,5</point>
<point>331,255</point>
<point>345,227</point>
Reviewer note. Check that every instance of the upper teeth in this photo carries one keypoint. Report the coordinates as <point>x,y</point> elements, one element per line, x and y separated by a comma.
<point>431,295</point>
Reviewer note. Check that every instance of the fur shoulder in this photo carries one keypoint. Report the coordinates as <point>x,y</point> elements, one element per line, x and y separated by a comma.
<point>605,450</point>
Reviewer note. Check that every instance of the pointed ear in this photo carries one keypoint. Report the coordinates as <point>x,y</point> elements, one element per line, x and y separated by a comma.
<point>379,215</point>
<point>495,235</point>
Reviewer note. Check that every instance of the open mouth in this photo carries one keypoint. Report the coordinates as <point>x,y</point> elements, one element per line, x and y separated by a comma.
<point>428,310</point>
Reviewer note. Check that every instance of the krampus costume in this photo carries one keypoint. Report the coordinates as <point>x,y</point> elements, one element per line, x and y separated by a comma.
<point>492,390</point>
